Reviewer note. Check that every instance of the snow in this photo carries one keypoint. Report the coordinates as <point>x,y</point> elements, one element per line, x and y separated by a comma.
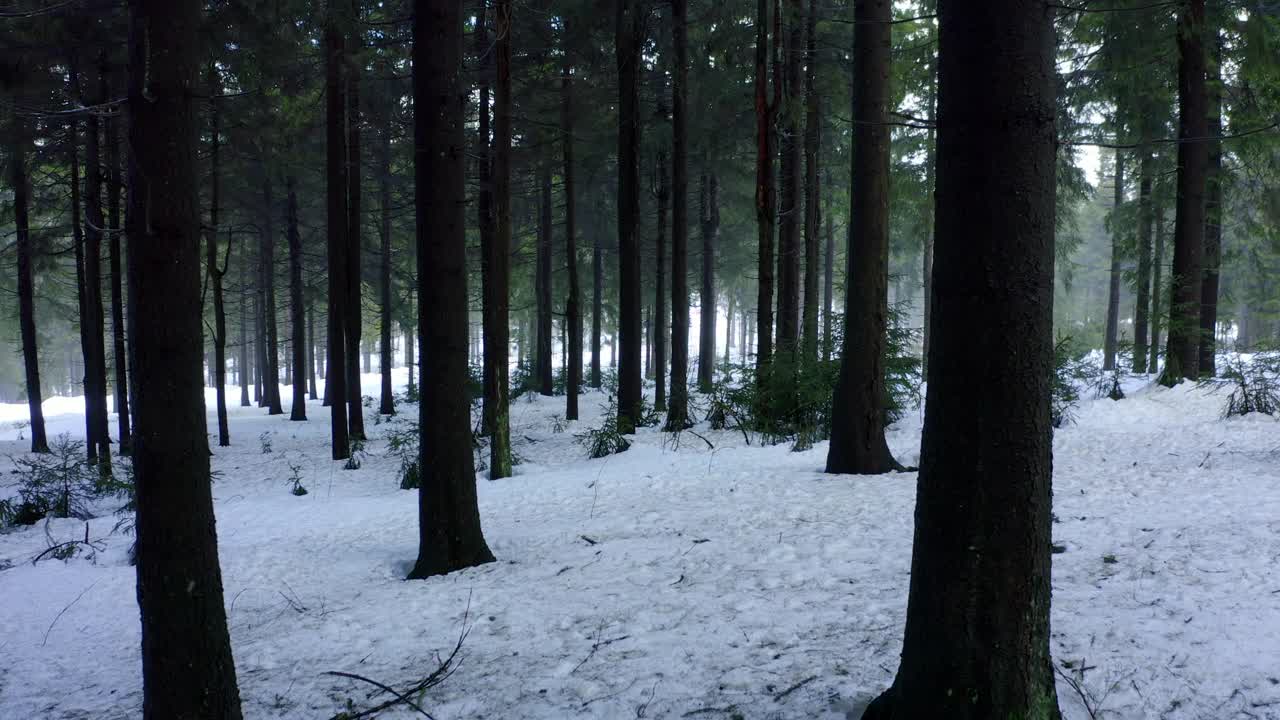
<point>673,582</point>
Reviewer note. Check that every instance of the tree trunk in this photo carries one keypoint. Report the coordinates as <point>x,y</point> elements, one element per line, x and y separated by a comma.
<point>764,192</point>
<point>387,406</point>
<point>245,373</point>
<point>678,406</point>
<point>92,320</point>
<point>629,37</point>
<point>497,333</point>
<point>1141,314</point>
<point>660,278</point>
<point>1157,269</point>
<point>484,216</point>
<point>187,666</point>
<point>1182,355</point>
<point>597,290</point>
<point>728,330</point>
<point>450,537</point>
<point>931,174</point>
<point>219,364</point>
<point>542,284</point>
<point>789,195</point>
<point>572,309</point>
<point>297,310</point>
<point>410,352</point>
<point>976,643</point>
<point>26,289</point>
<point>1110,340</point>
<point>270,336</point>
<point>119,350</point>
<point>335,387</point>
<point>709,224</point>
<point>354,278</point>
<point>1213,220</point>
<point>858,415</point>
<point>812,190</point>
<point>311,352</point>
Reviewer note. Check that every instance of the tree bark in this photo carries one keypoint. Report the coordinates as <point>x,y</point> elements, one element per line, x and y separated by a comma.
<point>764,193</point>
<point>678,405</point>
<point>709,224</point>
<point>976,644</point>
<point>542,284</point>
<point>812,189</point>
<point>119,349</point>
<point>597,295</point>
<point>216,273</point>
<point>497,334</point>
<point>337,221</point>
<point>1111,338</point>
<point>572,305</point>
<point>95,358</point>
<point>26,289</point>
<point>858,415</point>
<point>244,371</point>
<point>790,212</point>
<point>1157,269</point>
<point>1213,220</point>
<point>187,667</point>
<point>629,37</point>
<point>387,406</point>
<point>1182,355</point>
<point>1142,314</point>
<point>270,335</point>
<point>450,537</point>
<point>828,276</point>
<point>484,216</point>
<point>354,277</point>
<point>660,280</point>
<point>297,308</point>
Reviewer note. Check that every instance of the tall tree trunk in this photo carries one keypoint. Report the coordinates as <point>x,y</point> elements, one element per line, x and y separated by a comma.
<point>497,334</point>
<point>1111,338</point>
<point>219,364</point>
<point>728,329</point>
<point>709,225</point>
<point>337,219</point>
<point>450,537</point>
<point>597,297</point>
<point>18,135</point>
<point>297,310</point>
<point>542,283</point>
<point>983,496</point>
<point>92,320</point>
<point>1213,219</point>
<point>828,275</point>
<point>678,407</point>
<point>629,37</point>
<point>484,215</point>
<point>187,666</point>
<point>858,415</point>
<point>311,352</point>
<point>1182,355</point>
<point>790,212</point>
<point>354,278</point>
<point>119,350</point>
<point>410,352</point>
<point>387,406</point>
<point>764,192</point>
<point>931,174</point>
<point>572,305</point>
<point>812,190</point>
<point>1157,269</point>
<point>77,238</point>
<point>270,336</point>
<point>1141,314</point>
<point>245,373</point>
<point>660,279</point>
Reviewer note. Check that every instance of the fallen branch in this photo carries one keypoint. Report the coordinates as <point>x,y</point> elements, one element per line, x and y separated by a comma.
<point>782,695</point>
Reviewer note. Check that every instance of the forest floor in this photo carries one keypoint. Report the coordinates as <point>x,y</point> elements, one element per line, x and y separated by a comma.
<point>734,581</point>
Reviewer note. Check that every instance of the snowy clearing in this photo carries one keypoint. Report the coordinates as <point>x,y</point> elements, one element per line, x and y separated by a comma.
<point>674,582</point>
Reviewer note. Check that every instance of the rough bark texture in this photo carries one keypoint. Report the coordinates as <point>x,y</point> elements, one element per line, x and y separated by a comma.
<point>484,213</point>
<point>542,284</point>
<point>828,276</point>
<point>812,189</point>
<point>976,644</point>
<point>1182,355</point>
<point>597,298</point>
<point>1157,289</point>
<point>26,290</point>
<point>387,406</point>
<point>119,350</point>
<point>335,386</point>
<point>857,419</point>
<point>270,333</point>
<point>1213,221</point>
<point>91,320</point>
<point>1111,337</point>
<point>572,304</point>
<point>1142,308</point>
<point>660,281</point>
<point>297,308</point>
<point>678,405</point>
<point>791,210</point>
<point>764,192</point>
<point>629,37</point>
<point>354,307</point>
<point>709,224</point>
<point>187,668</point>
<point>497,333</point>
<point>450,537</point>
<point>216,273</point>
<point>243,372</point>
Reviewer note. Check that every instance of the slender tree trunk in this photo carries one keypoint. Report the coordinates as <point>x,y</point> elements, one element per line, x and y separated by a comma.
<point>931,174</point>
<point>660,279</point>
<point>1141,314</point>
<point>678,407</point>
<point>597,297</point>
<point>410,352</point>
<point>1157,289</point>
<point>354,318</point>
<point>812,189</point>
<point>26,289</point>
<point>337,219</point>
<point>629,37</point>
<point>271,342</point>
<point>297,310</point>
<point>450,537</point>
<point>245,373</point>
<point>764,192</point>
<point>77,238</point>
<point>542,283</point>
<point>187,666</point>
<point>1110,340</point>
<point>828,277</point>
<point>858,415</point>
<point>1213,219</point>
<point>791,213</point>
<point>572,305</point>
<point>387,406</point>
<point>976,644</point>
<point>497,334</point>
<point>1182,355</point>
<point>484,216</point>
<point>219,364</point>
<point>119,350</point>
<point>92,320</point>
<point>709,224</point>
<point>728,329</point>
<point>311,352</point>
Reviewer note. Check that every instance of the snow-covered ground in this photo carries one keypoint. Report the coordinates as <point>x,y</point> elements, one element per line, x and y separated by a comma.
<point>674,582</point>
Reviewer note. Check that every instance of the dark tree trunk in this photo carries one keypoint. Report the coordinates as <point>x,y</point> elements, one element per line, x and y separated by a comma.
<point>1142,314</point>
<point>790,213</point>
<point>709,224</point>
<point>297,310</point>
<point>92,320</point>
<point>187,667</point>
<point>26,289</point>
<point>410,352</point>
<point>119,350</point>
<point>1111,339</point>
<point>597,299</point>
<point>764,192</point>
<point>728,330</point>
<point>311,352</point>
<point>931,174</point>
<point>450,537</point>
<point>1182,355</point>
<point>828,277</point>
<point>1157,289</point>
<point>572,305</point>
<point>858,416</point>
<point>1213,220</point>
<point>497,332</point>
<point>485,219</point>
<point>216,273</point>
<point>354,278</point>
<point>660,279</point>
<point>244,371</point>
<point>976,644</point>
<point>542,284</point>
<point>270,336</point>
<point>387,406</point>
<point>77,238</point>
<point>812,190</point>
<point>678,407</point>
<point>335,386</point>
<point>629,37</point>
